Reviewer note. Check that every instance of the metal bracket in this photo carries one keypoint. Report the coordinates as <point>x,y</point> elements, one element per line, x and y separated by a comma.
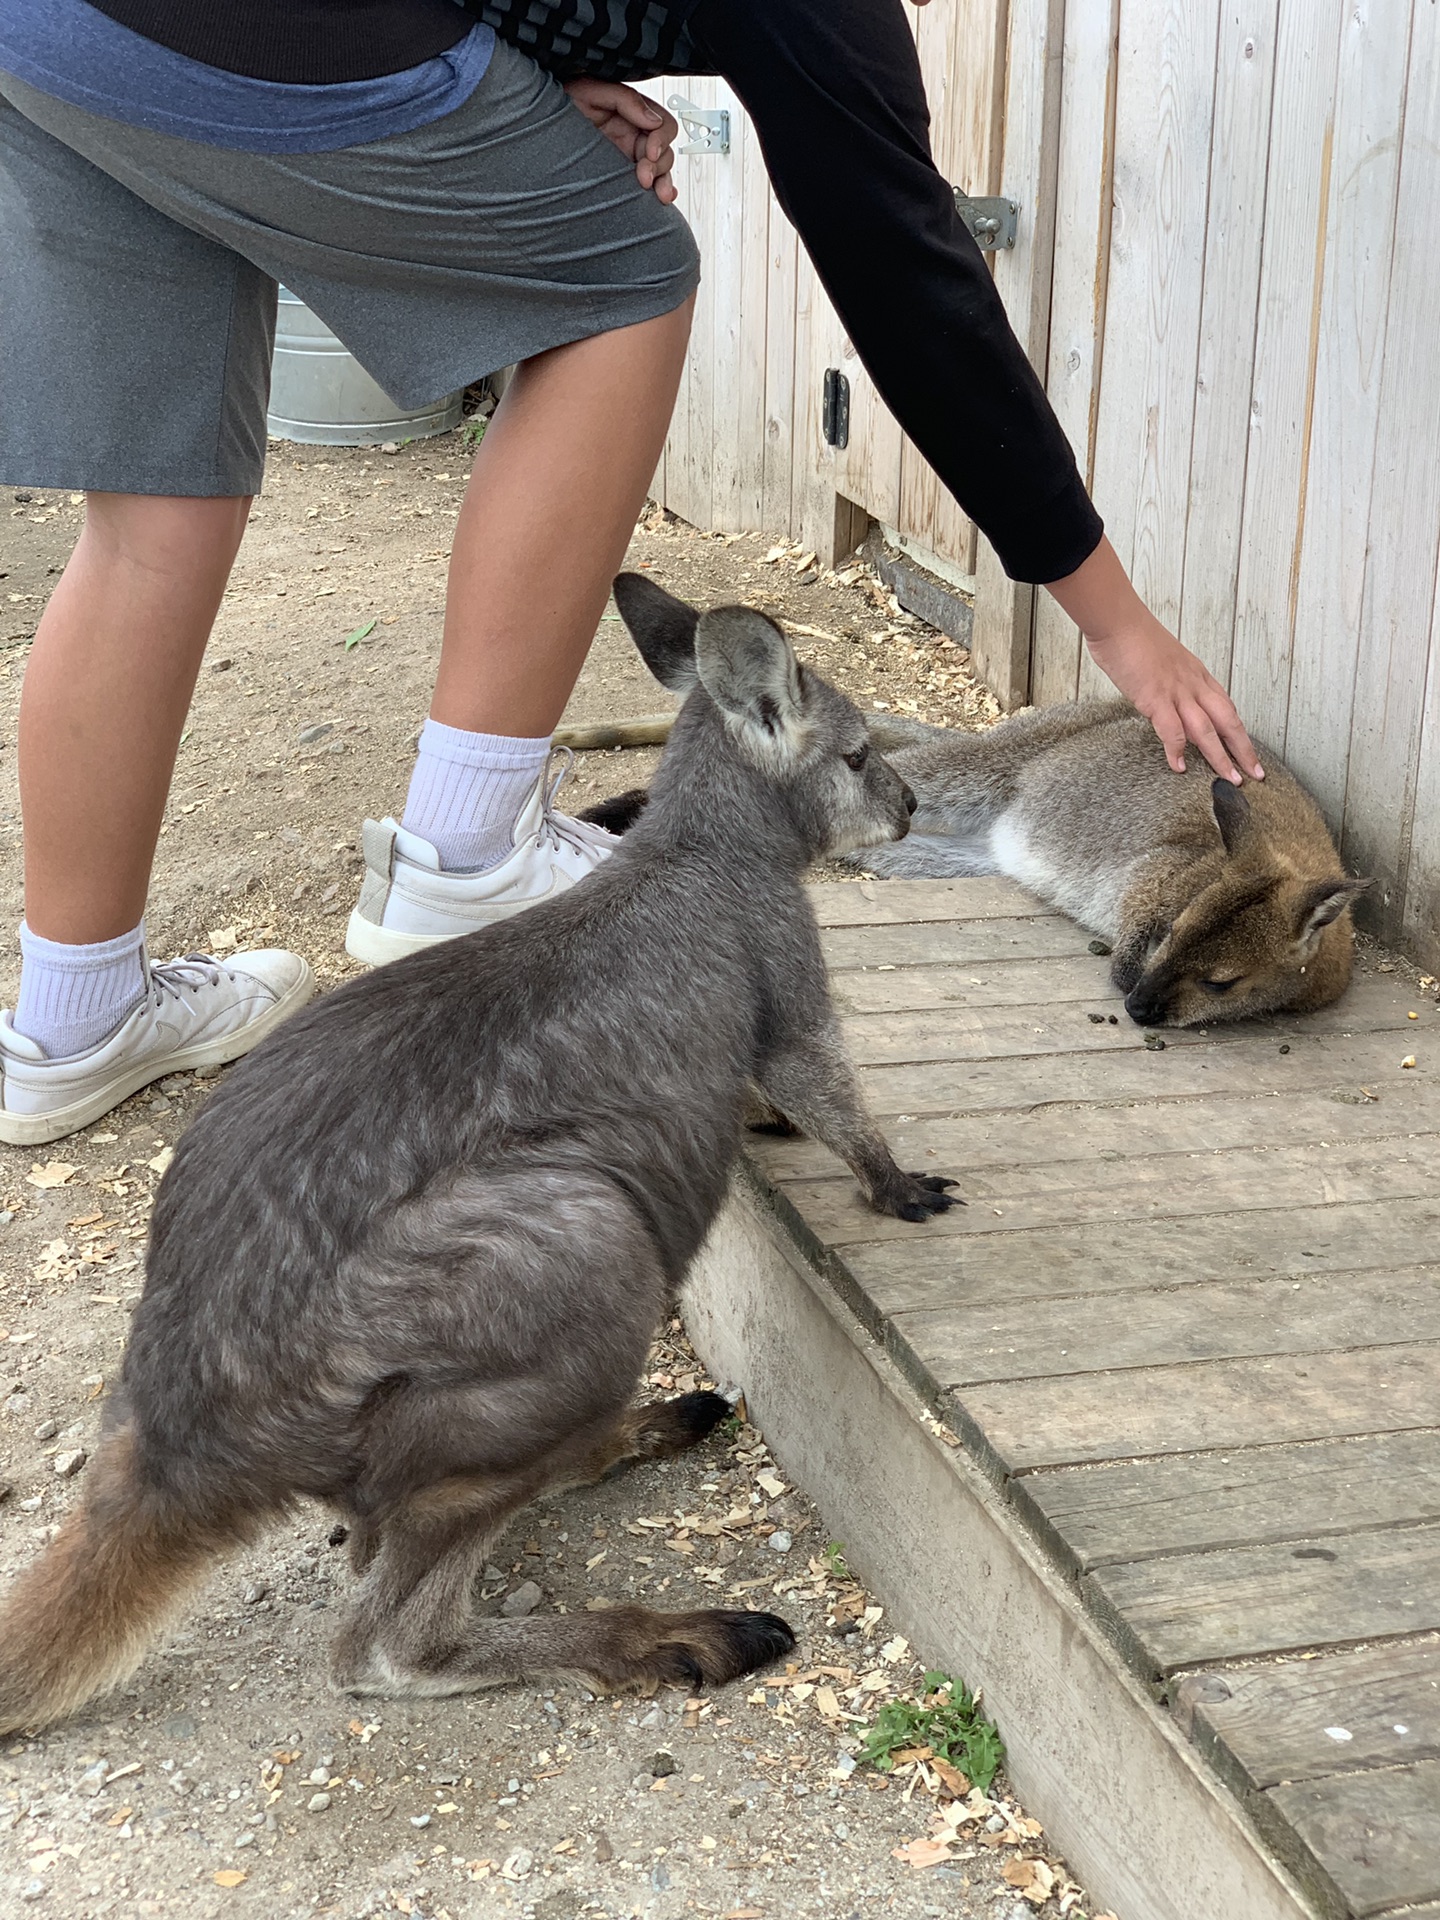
<point>993,222</point>
<point>709,130</point>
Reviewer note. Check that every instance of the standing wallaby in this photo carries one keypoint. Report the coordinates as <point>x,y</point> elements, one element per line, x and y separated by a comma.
<point>1218,903</point>
<point>410,1256</point>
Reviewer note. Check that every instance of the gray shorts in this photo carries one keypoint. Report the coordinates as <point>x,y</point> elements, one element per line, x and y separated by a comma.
<point>138,272</point>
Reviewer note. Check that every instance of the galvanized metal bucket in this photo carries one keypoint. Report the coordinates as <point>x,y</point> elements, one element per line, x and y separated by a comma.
<point>320,394</point>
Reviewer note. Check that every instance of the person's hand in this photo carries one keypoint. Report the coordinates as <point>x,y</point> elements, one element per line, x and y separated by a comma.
<point>1178,695</point>
<point>643,131</point>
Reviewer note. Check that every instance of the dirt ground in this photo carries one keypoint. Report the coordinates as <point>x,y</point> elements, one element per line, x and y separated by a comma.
<point>226,1778</point>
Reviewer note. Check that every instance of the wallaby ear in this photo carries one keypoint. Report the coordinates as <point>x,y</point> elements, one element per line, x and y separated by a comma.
<point>662,627</point>
<point>1232,813</point>
<point>747,667</point>
<point>1322,902</point>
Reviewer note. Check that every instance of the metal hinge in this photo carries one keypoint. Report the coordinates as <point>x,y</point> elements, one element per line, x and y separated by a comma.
<point>835,409</point>
<point>709,129</point>
<point>992,221</point>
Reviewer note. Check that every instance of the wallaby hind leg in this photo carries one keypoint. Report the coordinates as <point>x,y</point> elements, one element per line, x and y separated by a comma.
<point>415,1633</point>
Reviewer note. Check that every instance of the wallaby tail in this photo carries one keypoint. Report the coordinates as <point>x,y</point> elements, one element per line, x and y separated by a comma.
<point>77,1622</point>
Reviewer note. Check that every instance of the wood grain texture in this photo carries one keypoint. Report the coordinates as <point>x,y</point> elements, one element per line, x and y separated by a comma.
<point>1357,246</point>
<point>1277,1720</point>
<point>1135,1510</point>
<point>1215,1403</point>
<point>1378,1837</point>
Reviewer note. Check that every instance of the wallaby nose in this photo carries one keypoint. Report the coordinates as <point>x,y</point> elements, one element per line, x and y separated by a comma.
<point>911,803</point>
<point>1143,1009</point>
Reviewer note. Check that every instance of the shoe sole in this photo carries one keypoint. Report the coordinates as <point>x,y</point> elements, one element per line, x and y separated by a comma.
<point>35,1129</point>
<point>377,946</point>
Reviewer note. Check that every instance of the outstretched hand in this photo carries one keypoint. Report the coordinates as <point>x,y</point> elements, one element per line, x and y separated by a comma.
<point>643,131</point>
<point>1178,695</point>
<point>1174,690</point>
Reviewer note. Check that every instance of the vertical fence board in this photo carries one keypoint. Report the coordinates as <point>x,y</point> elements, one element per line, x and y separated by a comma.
<point>1291,278</point>
<point>1403,524</point>
<point>1005,611</point>
<point>1163,107</point>
<point>1350,343</point>
<point>1077,299</point>
<point>1244,83</point>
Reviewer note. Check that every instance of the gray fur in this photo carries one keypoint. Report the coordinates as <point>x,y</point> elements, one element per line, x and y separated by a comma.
<point>410,1256</point>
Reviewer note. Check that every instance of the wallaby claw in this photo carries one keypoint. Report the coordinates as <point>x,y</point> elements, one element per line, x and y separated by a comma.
<point>918,1196</point>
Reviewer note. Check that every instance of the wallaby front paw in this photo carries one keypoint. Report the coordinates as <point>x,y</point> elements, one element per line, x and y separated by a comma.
<point>916,1196</point>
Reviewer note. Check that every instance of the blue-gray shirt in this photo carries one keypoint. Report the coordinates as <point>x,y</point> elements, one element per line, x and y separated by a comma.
<point>74,52</point>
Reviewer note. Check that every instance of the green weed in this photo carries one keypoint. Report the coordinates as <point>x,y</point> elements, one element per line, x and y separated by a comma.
<point>834,1558</point>
<point>948,1720</point>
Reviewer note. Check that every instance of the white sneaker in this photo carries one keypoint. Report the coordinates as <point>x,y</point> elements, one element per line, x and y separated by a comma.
<point>197,1012</point>
<point>407,902</point>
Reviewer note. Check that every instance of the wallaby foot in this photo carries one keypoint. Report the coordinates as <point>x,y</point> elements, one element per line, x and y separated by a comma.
<point>624,1647</point>
<point>655,1432</point>
<point>914,1196</point>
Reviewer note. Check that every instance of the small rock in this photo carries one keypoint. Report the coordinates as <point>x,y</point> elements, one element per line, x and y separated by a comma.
<point>317,1803</point>
<point>16,1404</point>
<point>33,1889</point>
<point>660,1873</point>
<point>808,578</point>
<point>662,1764</point>
<point>779,1541</point>
<point>997,1823</point>
<point>417,1819</point>
<point>319,1776</point>
<point>845,1764</point>
<point>1102,947</point>
<point>23,499</point>
<point>159,1104</point>
<point>33,1504</point>
<point>254,1593</point>
<point>47,1429</point>
<point>289,837</point>
<point>69,1463</point>
<point>389,446</point>
<point>6,1489</point>
<point>246,1840</point>
<point>519,1863</point>
<point>1153,1043</point>
<point>93,1779</point>
<point>221,666</point>
<point>603,1849</point>
<point>652,1717</point>
<point>317,732</point>
<point>523,1600</point>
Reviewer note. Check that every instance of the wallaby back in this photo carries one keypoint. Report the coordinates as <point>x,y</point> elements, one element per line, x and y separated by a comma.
<point>1219,902</point>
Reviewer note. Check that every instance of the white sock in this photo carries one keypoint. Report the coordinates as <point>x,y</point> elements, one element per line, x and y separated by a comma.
<point>467,791</point>
<point>71,998</point>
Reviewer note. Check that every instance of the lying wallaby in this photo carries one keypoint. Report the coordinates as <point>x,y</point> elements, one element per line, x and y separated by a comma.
<point>409,1258</point>
<point>1218,903</point>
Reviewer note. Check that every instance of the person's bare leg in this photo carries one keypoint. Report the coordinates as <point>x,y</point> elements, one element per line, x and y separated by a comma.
<point>106,692</point>
<point>554,493</point>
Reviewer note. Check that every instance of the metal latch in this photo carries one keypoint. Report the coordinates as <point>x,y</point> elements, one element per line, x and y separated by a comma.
<point>835,409</point>
<point>992,222</point>
<point>709,130</point>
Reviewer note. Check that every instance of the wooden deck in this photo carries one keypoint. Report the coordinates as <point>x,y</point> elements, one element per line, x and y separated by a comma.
<point>1188,1327</point>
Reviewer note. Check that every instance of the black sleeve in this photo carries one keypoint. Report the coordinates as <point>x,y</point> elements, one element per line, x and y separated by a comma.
<point>835,91</point>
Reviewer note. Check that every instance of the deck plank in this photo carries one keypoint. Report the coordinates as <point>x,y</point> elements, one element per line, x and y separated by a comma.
<point>1378,1836</point>
<point>1191,1609</point>
<point>1132,1510</point>
<point>1099,1333</point>
<point>1287,1721</point>
<point>1078,1133</point>
<point>932,1268</point>
<point>879,903</point>
<point>1213,1403</point>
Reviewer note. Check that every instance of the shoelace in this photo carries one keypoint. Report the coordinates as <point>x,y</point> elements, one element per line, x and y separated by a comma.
<point>186,975</point>
<point>559,828</point>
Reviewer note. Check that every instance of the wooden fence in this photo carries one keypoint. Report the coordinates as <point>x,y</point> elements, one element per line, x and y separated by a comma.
<point>1228,272</point>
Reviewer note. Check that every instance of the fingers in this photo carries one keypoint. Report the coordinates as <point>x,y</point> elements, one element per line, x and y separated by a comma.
<point>1200,729</point>
<point>1170,730</point>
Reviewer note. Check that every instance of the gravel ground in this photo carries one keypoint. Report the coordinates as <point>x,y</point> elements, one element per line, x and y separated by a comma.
<point>226,1778</point>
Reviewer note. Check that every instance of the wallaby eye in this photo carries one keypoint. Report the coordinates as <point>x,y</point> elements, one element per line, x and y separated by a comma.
<point>1222,986</point>
<point>855,761</point>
